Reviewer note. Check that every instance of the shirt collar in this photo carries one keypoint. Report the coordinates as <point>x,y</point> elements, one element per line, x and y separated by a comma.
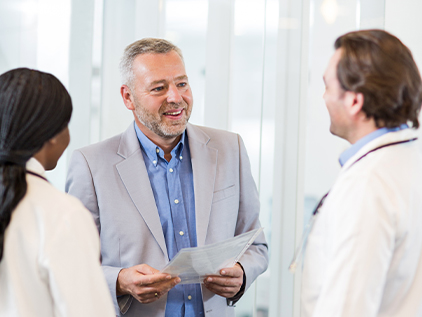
<point>346,155</point>
<point>153,151</point>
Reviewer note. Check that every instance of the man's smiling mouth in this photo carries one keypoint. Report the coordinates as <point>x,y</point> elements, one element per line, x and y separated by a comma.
<point>174,113</point>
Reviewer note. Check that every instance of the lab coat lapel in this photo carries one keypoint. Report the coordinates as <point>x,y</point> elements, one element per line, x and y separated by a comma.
<point>204,166</point>
<point>134,176</point>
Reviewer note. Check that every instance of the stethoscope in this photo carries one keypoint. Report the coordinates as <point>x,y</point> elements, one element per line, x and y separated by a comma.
<point>300,250</point>
<point>37,175</point>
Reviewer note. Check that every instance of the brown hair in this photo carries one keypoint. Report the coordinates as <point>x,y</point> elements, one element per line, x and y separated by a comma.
<point>378,65</point>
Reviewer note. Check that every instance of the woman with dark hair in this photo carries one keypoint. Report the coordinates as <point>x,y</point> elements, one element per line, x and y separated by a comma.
<point>49,246</point>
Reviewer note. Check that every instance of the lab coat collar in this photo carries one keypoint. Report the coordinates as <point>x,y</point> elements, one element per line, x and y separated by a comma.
<point>391,137</point>
<point>35,166</point>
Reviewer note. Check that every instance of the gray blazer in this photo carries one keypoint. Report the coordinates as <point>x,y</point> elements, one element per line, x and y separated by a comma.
<point>111,180</point>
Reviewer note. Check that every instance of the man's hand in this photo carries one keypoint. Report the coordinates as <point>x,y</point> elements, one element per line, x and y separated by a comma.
<point>228,284</point>
<point>144,283</point>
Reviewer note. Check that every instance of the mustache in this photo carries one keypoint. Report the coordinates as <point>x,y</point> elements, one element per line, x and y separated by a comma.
<point>172,105</point>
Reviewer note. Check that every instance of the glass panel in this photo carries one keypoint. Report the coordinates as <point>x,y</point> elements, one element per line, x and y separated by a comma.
<point>266,172</point>
<point>329,19</point>
<point>18,25</point>
<point>246,95</point>
<point>252,115</point>
<point>402,18</point>
<point>246,76</point>
<point>186,27</point>
<point>26,32</point>
<point>97,46</point>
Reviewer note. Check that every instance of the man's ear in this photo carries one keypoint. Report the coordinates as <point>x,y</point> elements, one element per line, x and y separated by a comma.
<point>354,102</point>
<point>127,97</point>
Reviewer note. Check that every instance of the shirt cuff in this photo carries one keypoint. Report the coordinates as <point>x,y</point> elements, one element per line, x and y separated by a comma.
<point>233,300</point>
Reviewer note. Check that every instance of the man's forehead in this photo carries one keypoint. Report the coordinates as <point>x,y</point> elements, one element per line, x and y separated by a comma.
<point>159,67</point>
<point>331,70</point>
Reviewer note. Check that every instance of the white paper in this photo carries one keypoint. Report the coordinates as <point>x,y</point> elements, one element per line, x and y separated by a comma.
<point>192,265</point>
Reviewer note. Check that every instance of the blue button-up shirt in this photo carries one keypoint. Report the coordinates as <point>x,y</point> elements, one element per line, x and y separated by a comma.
<point>172,185</point>
<point>346,155</point>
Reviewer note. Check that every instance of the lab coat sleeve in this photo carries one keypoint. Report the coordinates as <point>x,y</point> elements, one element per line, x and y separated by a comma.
<point>69,263</point>
<point>362,231</point>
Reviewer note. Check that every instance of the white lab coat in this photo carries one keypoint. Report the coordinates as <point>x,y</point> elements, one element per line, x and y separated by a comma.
<point>50,265</point>
<point>364,253</point>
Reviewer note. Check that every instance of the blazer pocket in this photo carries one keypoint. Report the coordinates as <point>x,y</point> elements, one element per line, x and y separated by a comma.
<point>223,193</point>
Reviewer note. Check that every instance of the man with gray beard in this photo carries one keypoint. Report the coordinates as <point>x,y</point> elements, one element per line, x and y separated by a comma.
<point>163,185</point>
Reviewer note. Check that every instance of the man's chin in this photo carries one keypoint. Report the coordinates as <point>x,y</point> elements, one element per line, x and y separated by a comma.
<point>172,133</point>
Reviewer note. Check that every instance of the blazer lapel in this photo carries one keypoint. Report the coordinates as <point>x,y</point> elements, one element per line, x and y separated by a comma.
<point>135,178</point>
<point>204,167</point>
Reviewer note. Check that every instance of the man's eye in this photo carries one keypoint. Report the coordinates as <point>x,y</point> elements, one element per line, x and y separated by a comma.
<point>157,88</point>
<point>182,84</point>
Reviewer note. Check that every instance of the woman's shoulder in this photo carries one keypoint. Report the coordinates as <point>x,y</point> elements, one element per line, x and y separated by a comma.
<point>45,200</point>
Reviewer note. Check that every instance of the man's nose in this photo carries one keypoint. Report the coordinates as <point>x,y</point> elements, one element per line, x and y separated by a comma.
<point>174,95</point>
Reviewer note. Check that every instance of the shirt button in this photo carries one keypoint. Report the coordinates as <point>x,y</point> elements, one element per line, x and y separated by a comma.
<point>189,297</point>
<point>154,162</point>
<point>181,157</point>
<point>181,233</point>
<point>176,201</point>
<point>171,170</point>
<point>157,150</point>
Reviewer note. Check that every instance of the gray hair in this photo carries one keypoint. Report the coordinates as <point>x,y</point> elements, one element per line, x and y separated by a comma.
<point>144,46</point>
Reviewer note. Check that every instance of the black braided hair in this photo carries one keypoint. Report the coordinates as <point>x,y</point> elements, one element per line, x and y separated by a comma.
<point>34,107</point>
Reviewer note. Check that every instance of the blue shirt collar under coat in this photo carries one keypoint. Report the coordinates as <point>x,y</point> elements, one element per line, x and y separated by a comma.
<point>153,151</point>
<point>346,155</point>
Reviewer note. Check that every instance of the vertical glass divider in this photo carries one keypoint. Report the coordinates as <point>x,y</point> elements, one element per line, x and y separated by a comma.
<point>303,102</point>
<point>358,9</point>
<point>255,312</point>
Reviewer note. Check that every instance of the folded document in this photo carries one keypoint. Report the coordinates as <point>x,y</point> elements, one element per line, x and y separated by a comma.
<point>192,265</point>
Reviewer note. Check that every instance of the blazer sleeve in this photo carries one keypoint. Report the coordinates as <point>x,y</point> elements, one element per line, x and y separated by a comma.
<point>255,260</point>
<point>80,184</point>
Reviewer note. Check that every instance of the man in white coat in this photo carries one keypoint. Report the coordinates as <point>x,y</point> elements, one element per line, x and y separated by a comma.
<point>364,252</point>
<point>163,185</point>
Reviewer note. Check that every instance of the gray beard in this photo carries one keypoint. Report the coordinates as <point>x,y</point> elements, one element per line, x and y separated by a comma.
<point>160,129</point>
